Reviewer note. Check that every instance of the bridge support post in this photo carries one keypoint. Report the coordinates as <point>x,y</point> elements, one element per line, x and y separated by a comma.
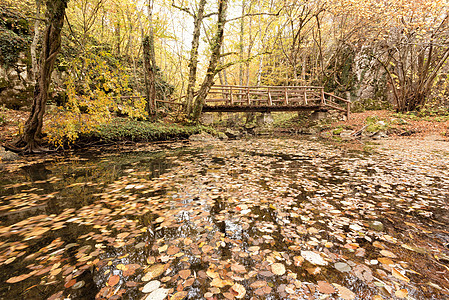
<point>265,118</point>
<point>207,118</point>
<point>318,115</point>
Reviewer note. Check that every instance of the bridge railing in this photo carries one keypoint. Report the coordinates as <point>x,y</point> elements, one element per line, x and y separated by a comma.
<point>265,95</point>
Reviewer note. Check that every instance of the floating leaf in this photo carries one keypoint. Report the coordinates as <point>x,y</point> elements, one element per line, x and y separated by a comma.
<point>325,287</point>
<point>113,280</point>
<point>278,269</point>
<point>153,272</point>
<point>184,274</point>
<point>403,293</point>
<point>313,258</point>
<point>388,254</point>
<point>179,295</point>
<point>158,294</point>
<point>151,286</point>
<point>344,292</point>
<point>399,275</point>
<point>240,290</point>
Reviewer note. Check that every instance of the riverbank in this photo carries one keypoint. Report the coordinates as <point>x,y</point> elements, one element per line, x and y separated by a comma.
<point>368,125</point>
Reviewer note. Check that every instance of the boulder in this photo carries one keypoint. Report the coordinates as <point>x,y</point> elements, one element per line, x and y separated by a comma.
<point>7,155</point>
<point>202,137</point>
<point>232,134</point>
<point>222,136</point>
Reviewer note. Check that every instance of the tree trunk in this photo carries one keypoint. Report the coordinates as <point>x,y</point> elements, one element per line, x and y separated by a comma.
<point>51,45</point>
<point>149,78</point>
<point>36,38</point>
<point>214,58</point>
<point>193,63</point>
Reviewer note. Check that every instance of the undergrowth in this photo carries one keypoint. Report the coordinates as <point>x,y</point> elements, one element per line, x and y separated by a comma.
<point>122,129</point>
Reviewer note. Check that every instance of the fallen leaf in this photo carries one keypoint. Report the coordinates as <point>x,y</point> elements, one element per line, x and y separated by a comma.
<point>388,253</point>
<point>398,275</point>
<point>239,289</point>
<point>151,286</point>
<point>401,293</point>
<point>325,287</point>
<point>18,278</point>
<point>344,292</point>
<point>179,295</point>
<point>113,280</point>
<point>153,272</point>
<point>313,258</point>
<point>278,269</point>
<point>184,274</point>
<point>158,294</point>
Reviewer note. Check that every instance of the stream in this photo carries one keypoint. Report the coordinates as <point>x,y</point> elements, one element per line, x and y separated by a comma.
<point>259,218</point>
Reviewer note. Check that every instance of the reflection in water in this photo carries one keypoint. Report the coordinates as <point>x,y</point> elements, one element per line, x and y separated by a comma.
<point>277,219</point>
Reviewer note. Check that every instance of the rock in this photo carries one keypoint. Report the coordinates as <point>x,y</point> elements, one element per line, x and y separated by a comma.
<point>232,134</point>
<point>202,137</point>
<point>207,118</point>
<point>318,115</point>
<point>265,118</point>
<point>222,136</point>
<point>7,155</point>
<point>379,135</point>
<point>376,225</point>
<point>346,134</point>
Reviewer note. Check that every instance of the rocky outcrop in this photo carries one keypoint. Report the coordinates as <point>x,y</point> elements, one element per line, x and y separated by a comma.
<point>16,88</point>
<point>7,155</point>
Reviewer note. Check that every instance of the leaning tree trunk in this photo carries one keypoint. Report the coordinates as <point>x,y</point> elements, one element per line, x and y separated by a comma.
<point>31,138</point>
<point>214,59</point>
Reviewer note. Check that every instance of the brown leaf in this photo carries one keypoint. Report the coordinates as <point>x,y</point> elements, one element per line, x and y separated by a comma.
<point>325,287</point>
<point>184,274</point>
<point>239,289</point>
<point>113,280</point>
<point>398,275</point>
<point>179,295</point>
<point>189,282</point>
<point>70,283</point>
<point>278,269</point>
<point>172,250</point>
<point>238,268</point>
<point>344,292</point>
<point>153,272</point>
<point>18,278</point>
<point>258,284</point>
<point>401,293</point>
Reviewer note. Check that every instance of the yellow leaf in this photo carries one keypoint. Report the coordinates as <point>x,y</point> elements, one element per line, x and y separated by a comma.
<point>398,275</point>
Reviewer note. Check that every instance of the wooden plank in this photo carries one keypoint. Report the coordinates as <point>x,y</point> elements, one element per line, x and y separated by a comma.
<point>260,108</point>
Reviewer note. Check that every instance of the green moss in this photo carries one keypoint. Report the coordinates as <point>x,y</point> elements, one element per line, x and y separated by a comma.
<point>123,129</point>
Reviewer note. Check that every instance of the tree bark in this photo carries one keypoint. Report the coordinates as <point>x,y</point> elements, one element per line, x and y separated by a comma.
<point>193,62</point>
<point>215,57</point>
<point>31,138</point>
<point>149,78</point>
<point>36,38</point>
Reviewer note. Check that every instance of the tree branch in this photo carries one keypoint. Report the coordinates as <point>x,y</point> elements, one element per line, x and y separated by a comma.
<point>255,14</point>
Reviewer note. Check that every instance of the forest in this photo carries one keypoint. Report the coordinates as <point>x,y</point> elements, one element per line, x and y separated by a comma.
<point>92,59</point>
<point>222,149</point>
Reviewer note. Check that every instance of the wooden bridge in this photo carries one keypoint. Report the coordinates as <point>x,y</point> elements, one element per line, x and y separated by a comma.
<point>228,98</point>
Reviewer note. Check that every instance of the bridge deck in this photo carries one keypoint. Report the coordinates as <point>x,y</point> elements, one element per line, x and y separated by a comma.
<point>227,98</point>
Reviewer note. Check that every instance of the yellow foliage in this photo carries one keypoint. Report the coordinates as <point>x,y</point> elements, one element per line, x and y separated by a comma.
<point>94,94</point>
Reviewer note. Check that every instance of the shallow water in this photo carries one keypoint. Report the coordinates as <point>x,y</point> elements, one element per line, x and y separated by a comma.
<point>263,218</point>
